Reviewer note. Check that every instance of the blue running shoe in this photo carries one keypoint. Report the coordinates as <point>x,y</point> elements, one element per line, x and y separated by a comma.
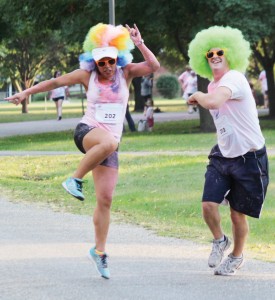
<point>100,263</point>
<point>74,187</point>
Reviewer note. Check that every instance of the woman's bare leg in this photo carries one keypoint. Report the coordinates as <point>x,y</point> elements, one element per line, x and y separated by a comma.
<point>105,179</point>
<point>59,108</point>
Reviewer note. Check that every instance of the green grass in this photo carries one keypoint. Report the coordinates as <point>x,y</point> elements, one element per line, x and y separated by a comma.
<point>160,192</point>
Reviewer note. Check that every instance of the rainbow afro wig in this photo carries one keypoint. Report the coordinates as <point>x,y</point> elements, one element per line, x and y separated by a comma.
<point>106,35</point>
<point>231,40</point>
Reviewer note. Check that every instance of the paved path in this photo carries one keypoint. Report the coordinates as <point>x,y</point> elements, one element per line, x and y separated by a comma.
<point>32,127</point>
<point>43,256</point>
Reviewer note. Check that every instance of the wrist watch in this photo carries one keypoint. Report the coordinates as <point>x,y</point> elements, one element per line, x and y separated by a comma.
<point>140,42</point>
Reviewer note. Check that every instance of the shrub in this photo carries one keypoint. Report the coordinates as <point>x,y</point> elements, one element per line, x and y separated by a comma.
<point>168,86</point>
<point>39,96</point>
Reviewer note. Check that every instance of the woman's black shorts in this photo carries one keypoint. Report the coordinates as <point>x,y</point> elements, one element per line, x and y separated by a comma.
<point>80,131</point>
<point>58,98</point>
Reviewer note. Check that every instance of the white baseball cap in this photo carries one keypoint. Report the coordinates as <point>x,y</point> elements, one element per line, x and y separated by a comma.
<point>99,53</point>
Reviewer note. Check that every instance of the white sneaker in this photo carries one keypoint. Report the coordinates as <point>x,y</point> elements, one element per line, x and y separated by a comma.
<point>217,252</point>
<point>229,266</point>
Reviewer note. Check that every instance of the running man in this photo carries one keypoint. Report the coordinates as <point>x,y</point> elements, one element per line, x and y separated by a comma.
<point>238,164</point>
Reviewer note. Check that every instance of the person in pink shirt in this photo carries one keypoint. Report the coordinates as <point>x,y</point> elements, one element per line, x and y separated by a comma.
<point>183,80</point>
<point>263,80</point>
<point>191,86</point>
<point>106,72</point>
<point>149,114</point>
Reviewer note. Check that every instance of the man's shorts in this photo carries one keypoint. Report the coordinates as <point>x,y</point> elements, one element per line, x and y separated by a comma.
<point>80,131</point>
<point>242,180</point>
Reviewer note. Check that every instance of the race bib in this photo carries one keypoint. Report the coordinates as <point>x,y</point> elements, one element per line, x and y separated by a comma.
<point>110,113</point>
<point>223,127</point>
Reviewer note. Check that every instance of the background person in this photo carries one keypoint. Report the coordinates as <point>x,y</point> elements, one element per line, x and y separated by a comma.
<point>130,120</point>
<point>149,114</point>
<point>263,80</point>
<point>183,80</point>
<point>106,73</point>
<point>191,86</point>
<point>146,87</point>
<point>238,164</point>
<point>58,95</point>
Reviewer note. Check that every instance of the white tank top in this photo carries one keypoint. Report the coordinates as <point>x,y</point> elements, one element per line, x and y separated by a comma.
<point>106,104</point>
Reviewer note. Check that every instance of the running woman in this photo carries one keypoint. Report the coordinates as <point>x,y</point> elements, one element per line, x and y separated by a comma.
<point>106,71</point>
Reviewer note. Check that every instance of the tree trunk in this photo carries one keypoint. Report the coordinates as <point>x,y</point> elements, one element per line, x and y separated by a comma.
<point>206,120</point>
<point>24,104</point>
<point>139,101</point>
<point>27,84</point>
<point>271,90</point>
<point>267,61</point>
<point>20,88</point>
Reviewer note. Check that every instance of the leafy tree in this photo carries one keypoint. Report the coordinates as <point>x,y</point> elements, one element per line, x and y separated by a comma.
<point>178,21</point>
<point>256,19</point>
<point>142,13</point>
<point>25,48</point>
<point>181,21</point>
<point>167,30</point>
<point>44,35</point>
<point>72,17</point>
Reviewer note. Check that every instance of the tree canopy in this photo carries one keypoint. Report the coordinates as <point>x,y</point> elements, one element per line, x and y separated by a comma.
<point>49,34</point>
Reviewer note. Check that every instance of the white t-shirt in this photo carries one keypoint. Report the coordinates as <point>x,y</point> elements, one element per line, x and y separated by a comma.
<point>236,121</point>
<point>183,80</point>
<point>149,112</point>
<point>262,78</point>
<point>59,92</point>
<point>191,85</point>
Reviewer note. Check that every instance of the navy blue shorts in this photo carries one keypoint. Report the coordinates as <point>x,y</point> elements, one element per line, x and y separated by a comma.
<point>242,180</point>
<point>80,131</point>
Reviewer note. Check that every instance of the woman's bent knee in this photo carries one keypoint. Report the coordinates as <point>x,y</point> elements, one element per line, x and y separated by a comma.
<point>108,147</point>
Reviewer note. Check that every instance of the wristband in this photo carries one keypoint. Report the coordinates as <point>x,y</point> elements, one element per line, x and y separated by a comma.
<point>140,42</point>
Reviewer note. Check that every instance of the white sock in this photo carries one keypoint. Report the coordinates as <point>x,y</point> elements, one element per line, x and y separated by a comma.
<point>237,257</point>
<point>222,239</point>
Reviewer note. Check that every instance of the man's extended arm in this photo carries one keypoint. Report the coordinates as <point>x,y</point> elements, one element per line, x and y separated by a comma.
<point>213,100</point>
